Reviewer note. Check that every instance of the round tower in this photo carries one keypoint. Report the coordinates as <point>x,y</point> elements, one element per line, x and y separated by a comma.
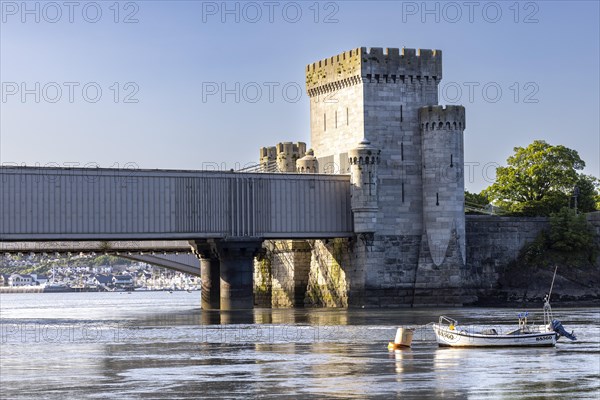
<point>443,179</point>
<point>308,164</point>
<point>287,154</point>
<point>363,161</point>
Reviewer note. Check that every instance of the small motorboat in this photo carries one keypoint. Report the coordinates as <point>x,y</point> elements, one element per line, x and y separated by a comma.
<point>452,334</point>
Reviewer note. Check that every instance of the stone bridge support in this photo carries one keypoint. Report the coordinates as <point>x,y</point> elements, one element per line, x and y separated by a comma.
<point>290,267</point>
<point>236,272</point>
<point>210,274</point>
<point>226,268</point>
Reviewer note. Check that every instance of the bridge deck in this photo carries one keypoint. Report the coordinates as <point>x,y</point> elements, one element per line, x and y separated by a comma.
<point>38,204</point>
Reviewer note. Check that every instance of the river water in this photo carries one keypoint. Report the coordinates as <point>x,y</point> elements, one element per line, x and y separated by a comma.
<point>158,345</point>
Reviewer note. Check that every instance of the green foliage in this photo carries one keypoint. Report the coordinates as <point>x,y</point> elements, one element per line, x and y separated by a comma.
<point>478,199</point>
<point>589,193</point>
<point>569,231</point>
<point>105,260</point>
<point>539,180</point>
<point>475,202</point>
<point>568,241</point>
<point>535,250</point>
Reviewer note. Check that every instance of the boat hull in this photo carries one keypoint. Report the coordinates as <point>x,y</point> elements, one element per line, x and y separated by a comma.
<point>447,337</point>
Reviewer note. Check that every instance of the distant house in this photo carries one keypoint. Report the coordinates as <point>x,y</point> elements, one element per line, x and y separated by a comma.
<point>105,268</point>
<point>4,279</point>
<point>122,281</point>
<point>103,280</point>
<point>20,280</point>
<point>145,275</point>
<point>39,279</point>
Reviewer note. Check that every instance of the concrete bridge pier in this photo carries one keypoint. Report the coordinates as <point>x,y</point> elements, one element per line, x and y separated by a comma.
<point>210,274</point>
<point>236,271</point>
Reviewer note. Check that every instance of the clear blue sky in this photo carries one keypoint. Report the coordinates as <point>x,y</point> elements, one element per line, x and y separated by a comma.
<point>179,50</point>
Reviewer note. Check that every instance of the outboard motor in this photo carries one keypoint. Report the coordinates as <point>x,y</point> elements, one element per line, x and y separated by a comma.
<point>558,328</point>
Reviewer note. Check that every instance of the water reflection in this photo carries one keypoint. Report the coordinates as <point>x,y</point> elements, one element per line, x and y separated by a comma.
<point>448,358</point>
<point>404,362</point>
<point>166,347</point>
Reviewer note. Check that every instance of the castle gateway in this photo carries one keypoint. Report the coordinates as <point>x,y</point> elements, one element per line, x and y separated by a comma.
<point>375,116</point>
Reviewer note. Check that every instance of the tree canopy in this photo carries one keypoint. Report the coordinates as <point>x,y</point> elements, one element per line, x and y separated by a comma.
<point>475,203</point>
<point>540,179</point>
<point>569,231</point>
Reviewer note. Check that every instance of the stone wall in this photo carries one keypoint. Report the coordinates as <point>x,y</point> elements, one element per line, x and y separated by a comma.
<point>336,279</point>
<point>290,265</point>
<point>328,283</point>
<point>262,281</point>
<point>281,273</point>
<point>493,242</point>
<point>594,220</point>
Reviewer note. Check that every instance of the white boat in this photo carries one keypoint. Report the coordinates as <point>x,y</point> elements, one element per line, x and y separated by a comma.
<point>450,333</point>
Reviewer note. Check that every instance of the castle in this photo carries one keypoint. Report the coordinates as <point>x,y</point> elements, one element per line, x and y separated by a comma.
<point>374,114</point>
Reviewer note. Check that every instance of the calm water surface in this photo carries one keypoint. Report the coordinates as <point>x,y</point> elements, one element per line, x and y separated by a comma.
<point>156,345</point>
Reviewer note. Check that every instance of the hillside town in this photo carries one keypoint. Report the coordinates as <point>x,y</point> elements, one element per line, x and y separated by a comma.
<point>88,274</point>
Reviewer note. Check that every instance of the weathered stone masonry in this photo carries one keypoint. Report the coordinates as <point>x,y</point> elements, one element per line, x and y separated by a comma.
<point>375,116</point>
<point>408,204</point>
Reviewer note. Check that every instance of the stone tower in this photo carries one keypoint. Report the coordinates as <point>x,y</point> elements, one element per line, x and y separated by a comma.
<point>443,181</point>
<point>390,100</point>
<point>363,161</point>
<point>308,164</point>
<point>282,157</point>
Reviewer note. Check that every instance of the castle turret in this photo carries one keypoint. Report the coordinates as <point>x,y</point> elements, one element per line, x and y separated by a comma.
<point>363,161</point>
<point>268,158</point>
<point>281,158</point>
<point>308,164</point>
<point>287,154</point>
<point>443,179</point>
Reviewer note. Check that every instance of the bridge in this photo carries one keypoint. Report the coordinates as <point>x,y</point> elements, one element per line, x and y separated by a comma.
<point>177,255</point>
<point>222,217</point>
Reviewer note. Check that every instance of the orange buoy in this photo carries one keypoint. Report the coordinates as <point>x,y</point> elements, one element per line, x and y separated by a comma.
<point>396,346</point>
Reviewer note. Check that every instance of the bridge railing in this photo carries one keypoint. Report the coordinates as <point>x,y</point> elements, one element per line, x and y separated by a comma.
<point>269,167</point>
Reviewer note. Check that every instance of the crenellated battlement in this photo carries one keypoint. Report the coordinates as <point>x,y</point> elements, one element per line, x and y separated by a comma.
<point>284,155</point>
<point>434,118</point>
<point>373,64</point>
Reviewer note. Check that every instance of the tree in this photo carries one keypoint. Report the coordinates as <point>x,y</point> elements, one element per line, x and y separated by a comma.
<point>475,202</point>
<point>540,179</point>
<point>476,199</point>
<point>588,193</point>
<point>569,231</point>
